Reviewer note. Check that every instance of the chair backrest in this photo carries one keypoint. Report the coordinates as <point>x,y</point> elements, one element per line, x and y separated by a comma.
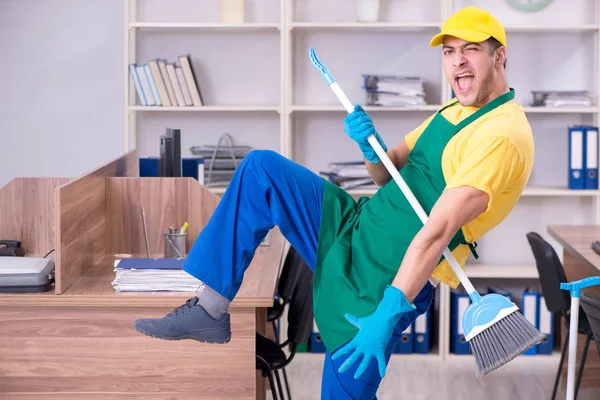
<point>289,274</point>
<point>590,302</point>
<point>551,273</point>
<point>300,312</point>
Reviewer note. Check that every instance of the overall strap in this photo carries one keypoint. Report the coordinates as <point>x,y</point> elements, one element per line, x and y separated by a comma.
<point>498,101</point>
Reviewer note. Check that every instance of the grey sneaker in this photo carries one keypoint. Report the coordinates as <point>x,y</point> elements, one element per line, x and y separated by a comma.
<point>188,321</point>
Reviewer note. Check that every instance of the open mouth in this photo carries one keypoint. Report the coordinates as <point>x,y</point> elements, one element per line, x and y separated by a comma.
<point>464,81</point>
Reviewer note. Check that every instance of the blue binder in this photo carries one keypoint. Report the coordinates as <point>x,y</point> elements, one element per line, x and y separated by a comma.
<point>422,332</point>
<point>530,310</point>
<point>546,326</point>
<point>316,343</point>
<point>190,167</point>
<point>405,344</point>
<point>458,304</point>
<point>576,157</point>
<point>591,157</point>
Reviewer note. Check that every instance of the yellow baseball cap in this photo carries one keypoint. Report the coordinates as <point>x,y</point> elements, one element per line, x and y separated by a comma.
<point>473,25</point>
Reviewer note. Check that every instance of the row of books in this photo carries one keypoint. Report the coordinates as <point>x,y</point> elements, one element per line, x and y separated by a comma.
<point>394,91</point>
<point>160,83</point>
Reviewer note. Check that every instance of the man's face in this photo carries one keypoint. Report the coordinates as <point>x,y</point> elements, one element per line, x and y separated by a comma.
<point>469,68</point>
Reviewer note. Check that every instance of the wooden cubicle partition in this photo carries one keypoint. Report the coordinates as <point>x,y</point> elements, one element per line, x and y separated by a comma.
<point>81,219</point>
<point>27,213</point>
<point>166,202</point>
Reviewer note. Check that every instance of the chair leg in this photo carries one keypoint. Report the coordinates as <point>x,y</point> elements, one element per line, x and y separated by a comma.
<point>272,384</point>
<point>275,331</point>
<point>560,365</point>
<point>279,384</point>
<point>582,363</point>
<point>287,385</point>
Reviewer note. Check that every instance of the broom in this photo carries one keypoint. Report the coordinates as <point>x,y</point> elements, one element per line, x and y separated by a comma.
<point>495,330</point>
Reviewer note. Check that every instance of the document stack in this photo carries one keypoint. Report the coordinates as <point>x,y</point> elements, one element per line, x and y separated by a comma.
<point>564,98</point>
<point>394,91</point>
<point>153,275</point>
<point>583,157</point>
<point>349,175</point>
<point>220,161</point>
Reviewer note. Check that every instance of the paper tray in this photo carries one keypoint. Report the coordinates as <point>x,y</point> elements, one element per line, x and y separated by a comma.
<point>26,274</point>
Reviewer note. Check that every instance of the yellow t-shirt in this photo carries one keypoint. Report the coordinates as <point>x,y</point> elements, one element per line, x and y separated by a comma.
<point>493,153</point>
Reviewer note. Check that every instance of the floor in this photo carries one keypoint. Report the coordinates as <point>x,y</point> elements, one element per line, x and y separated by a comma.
<point>524,378</point>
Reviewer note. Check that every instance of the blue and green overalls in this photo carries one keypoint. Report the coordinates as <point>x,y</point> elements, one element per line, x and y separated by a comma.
<point>354,247</point>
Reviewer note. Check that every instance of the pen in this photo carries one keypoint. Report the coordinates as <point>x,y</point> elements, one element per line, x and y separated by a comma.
<point>184,227</point>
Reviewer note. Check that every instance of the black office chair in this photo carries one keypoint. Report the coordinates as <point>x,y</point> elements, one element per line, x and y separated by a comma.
<point>285,287</point>
<point>551,274</point>
<point>270,357</point>
<point>590,302</point>
<point>287,281</point>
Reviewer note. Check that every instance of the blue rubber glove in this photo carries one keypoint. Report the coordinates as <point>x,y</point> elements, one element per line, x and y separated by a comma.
<point>374,332</point>
<point>358,125</point>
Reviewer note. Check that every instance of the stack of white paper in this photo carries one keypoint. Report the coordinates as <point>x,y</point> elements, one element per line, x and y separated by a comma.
<point>349,175</point>
<point>149,275</point>
<point>394,91</point>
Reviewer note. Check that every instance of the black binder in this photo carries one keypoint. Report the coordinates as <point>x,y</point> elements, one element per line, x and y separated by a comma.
<point>175,134</point>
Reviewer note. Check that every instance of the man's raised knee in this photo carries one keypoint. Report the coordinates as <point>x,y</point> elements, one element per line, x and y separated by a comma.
<point>265,158</point>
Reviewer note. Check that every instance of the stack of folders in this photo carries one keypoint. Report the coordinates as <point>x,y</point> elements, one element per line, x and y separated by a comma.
<point>394,91</point>
<point>220,161</point>
<point>153,275</point>
<point>531,304</point>
<point>160,83</point>
<point>583,157</point>
<point>416,338</point>
<point>349,175</point>
<point>561,98</point>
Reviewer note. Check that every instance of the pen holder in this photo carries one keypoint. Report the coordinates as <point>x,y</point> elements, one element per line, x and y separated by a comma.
<point>175,245</point>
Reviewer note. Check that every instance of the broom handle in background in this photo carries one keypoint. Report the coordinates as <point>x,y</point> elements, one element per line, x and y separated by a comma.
<point>573,330</point>
<point>389,165</point>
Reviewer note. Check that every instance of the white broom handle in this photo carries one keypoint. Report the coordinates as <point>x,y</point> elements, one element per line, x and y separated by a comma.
<point>573,330</point>
<point>389,165</point>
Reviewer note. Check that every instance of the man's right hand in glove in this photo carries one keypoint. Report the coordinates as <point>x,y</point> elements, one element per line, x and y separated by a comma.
<point>358,125</point>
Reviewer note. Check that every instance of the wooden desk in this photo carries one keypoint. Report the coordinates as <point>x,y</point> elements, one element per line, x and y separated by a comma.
<point>78,341</point>
<point>580,261</point>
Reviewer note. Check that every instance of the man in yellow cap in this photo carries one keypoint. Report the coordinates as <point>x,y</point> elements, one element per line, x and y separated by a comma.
<point>467,165</point>
<point>375,264</point>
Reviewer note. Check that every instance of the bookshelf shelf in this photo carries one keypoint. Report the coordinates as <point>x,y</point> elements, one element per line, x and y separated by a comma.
<point>435,107</point>
<point>366,25</point>
<point>551,28</point>
<point>319,108</point>
<point>528,192</point>
<point>211,26</point>
<point>501,271</point>
<point>561,110</point>
<point>205,108</point>
<point>304,128</point>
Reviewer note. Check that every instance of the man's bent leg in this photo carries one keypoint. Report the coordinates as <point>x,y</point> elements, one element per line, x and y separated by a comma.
<point>267,190</point>
<point>336,386</point>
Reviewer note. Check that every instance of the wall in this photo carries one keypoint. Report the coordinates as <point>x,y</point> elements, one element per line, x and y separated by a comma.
<point>61,91</point>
